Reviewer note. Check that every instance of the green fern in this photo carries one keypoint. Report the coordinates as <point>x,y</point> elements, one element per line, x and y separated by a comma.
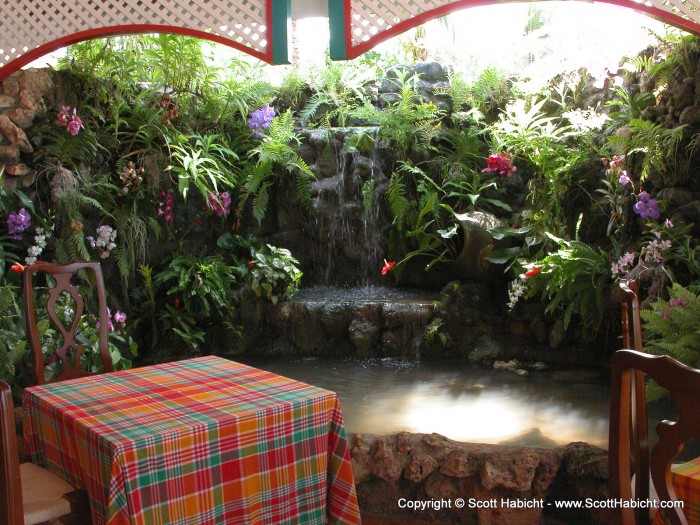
<point>575,279</point>
<point>657,145</point>
<point>398,203</point>
<point>276,149</point>
<point>122,262</point>
<point>673,330</point>
<point>71,247</point>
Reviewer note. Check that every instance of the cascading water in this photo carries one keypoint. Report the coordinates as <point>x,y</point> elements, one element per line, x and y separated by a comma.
<point>346,305</point>
<point>351,224</point>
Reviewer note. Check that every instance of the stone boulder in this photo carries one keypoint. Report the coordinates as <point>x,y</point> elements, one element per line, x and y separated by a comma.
<point>408,466</point>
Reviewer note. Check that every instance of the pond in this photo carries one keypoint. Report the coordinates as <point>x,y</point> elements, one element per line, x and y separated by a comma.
<point>459,400</point>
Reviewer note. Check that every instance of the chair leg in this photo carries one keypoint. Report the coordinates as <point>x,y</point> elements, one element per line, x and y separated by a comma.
<point>80,509</point>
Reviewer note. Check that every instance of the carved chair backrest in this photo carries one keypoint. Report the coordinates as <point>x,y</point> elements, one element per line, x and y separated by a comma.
<point>631,322</point>
<point>683,384</point>
<point>11,505</point>
<point>71,350</point>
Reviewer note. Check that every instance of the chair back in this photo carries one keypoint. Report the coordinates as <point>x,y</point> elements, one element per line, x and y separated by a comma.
<point>11,505</point>
<point>639,442</point>
<point>70,352</point>
<point>631,323</point>
<point>683,384</point>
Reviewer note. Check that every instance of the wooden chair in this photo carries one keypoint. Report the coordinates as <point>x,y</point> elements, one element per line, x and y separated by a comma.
<point>639,442</point>
<point>683,384</point>
<point>30,494</point>
<point>70,352</point>
<point>631,322</point>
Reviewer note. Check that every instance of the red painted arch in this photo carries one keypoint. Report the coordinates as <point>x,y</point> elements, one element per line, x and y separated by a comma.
<point>45,49</point>
<point>357,50</point>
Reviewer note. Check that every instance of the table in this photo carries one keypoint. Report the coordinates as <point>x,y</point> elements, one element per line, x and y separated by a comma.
<point>198,442</point>
<point>686,482</point>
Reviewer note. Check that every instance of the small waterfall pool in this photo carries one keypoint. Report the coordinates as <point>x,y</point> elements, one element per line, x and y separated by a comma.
<point>363,295</point>
<point>458,400</point>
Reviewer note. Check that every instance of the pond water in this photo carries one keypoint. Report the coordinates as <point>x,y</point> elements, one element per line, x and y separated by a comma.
<point>458,400</point>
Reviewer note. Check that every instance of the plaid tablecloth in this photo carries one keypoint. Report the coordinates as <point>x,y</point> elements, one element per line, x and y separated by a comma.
<point>196,442</point>
<point>686,482</point>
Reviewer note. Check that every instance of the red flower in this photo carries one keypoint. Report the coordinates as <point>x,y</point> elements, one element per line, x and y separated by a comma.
<point>17,268</point>
<point>532,272</point>
<point>388,266</point>
<point>493,162</point>
<point>251,264</point>
<point>500,164</point>
<point>177,304</point>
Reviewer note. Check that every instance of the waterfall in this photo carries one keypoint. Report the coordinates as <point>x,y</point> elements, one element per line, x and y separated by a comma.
<point>351,221</point>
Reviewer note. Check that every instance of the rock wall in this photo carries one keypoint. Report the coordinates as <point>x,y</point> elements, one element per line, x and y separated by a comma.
<point>25,98</point>
<point>392,470</point>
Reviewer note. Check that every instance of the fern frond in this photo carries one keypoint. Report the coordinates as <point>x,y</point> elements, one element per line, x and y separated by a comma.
<point>303,185</point>
<point>260,202</point>
<point>398,203</point>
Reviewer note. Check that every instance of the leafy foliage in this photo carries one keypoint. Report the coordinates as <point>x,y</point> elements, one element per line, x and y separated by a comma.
<point>276,149</point>
<point>202,283</point>
<point>672,327</point>
<point>204,162</point>
<point>13,341</point>
<point>338,91</point>
<point>406,121</point>
<point>657,144</point>
<point>575,279</point>
<point>275,274</point>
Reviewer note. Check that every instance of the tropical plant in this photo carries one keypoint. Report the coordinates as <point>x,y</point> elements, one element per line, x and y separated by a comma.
<point>460,149</point>
<point>575,279</point>
<point>672,327</point>
<point>201,284</point>
<point>276,149</point>
<point>656,144</point>
<point>204,162</point>
<point>10,201</point>
<point>490,91</point>
<point>63,149</point>
<point>13,340</point>
<point>629,105</point>
<point>405,120</point>
<point>275,274</point>
<point>436,332</point>
<point>524,127</point>
<point>425,226</point>
<point>338,90</point>
<point>428,226</point>
<point>525,130</point>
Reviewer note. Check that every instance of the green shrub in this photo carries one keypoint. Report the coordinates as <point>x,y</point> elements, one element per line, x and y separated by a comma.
<point>672,327</point>
<point>574,278</point>
<point>275,274</point>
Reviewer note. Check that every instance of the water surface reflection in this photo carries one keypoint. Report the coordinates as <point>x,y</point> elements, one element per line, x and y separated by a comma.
<point>458,400</point>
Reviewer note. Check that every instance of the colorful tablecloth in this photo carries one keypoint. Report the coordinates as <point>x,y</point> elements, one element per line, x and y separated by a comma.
<point>686,482</point>
<point>198,442</point>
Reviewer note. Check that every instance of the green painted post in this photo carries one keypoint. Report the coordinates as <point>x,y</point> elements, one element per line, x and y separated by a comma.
<point>336,21</point>
<point>281,14</point>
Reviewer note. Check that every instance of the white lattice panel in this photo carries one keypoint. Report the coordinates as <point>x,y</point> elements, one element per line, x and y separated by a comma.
<point>687,9</point>
<point>28,24</point>
<point>371,17</point>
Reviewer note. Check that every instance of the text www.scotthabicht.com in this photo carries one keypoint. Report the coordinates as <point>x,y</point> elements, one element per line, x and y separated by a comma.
<point>534,503</point>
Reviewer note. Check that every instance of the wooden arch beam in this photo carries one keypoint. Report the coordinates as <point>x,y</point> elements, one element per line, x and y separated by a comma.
<point>33,28</point>
<point>359,25</point>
